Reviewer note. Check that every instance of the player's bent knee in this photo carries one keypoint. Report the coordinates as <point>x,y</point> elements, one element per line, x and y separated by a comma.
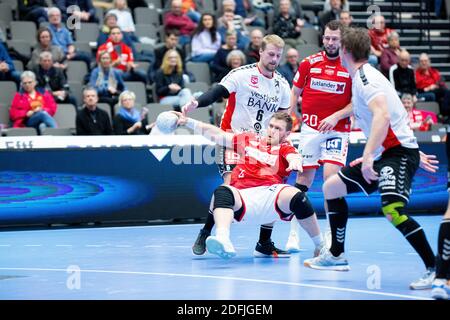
<point>395,213</point>
<point>223,198</point>
<point>301,206</point>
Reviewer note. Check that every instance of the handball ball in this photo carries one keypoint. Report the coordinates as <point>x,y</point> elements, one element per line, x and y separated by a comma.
<point>166,122</point>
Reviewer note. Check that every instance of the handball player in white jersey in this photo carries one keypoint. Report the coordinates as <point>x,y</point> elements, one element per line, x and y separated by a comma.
<point>390,159</point>
<point>254,92</point>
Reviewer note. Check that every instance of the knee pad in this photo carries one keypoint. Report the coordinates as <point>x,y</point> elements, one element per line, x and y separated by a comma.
<point>301,187</point>
<point>338,205</point>
<point>223,198</point>
<point>301,206</point>
<point>395,213</point>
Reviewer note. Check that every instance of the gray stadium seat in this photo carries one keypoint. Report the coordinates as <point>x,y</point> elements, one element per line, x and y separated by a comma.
<point>201,114</point>
<point>88,32</point>
<point>428,106</point>
<point>4,115</point>
<point>82,46</point>
<point>197,86</point>
<point>58,132</point>
<point>65,115</point>
<point>76,71</point>
<point>8,90</point>
<point>154,109</point>
<point>200,70</point>
<point>146,16</point>
<point>23,30</point>
<point>307,50</point>
<point>11,132</point>
<point>76,89</point>
<point>139,90</point>
<point>6,13</point>
<point>18,65</point>
<point>154,4</point>
<point>21,46</point>
<point>146,30</point>
<point>310,35</point>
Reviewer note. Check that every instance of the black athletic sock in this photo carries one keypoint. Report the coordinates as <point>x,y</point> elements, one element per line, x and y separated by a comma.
<point>265,233</point>
<point>301,187</point>
<point>415,235</point>
<point>209,224</point>
<point>338,217</point>
<point>443,256</point>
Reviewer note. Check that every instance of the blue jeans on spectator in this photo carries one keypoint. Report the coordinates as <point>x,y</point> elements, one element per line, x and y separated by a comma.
<point>183,97</point>
<point>204,57</point>
<point>11,76</point>
<point>41,120</point>
<point>184,39</point>
<point>426,96</point>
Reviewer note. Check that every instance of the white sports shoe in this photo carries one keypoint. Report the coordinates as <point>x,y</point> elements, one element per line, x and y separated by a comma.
<point>326,261</point>
<point>425,282</point>
<point>440,289</point>
<point>221,247</point>
<point>293,243</point>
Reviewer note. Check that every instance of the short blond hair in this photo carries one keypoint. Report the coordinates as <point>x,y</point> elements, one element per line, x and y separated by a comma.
<point>127,94</point>
<point>272,39</point>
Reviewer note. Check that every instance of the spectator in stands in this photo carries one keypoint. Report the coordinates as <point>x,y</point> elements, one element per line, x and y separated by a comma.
<point>110,20</point>
<point>122,56</point>
<point>252,51</point>
<point>124,19</point>
<point>418,120</point>
<point>32,108</point>
<point>226,25</point>
<point>429,80</point>
<point>294,10</point>
<point>191,8</point>
<point>7,70</point>
<point>378,38</point>
<point>389,57</point>
<point>287,26</point>
<point>289,69</point>
<point>401,75</point>
<point>171,42</point>
<point>62,37</point>
<point>175,19</point>
<point>244,13</point>
<point>169,81</point>
<point>85,12</point>
<point>205,39</point>
<point>107,80</point>
<point>128,120</point>
<point>91,120</point>
<point>327,6</point>
<point>235,59</point>
<point>33,10</point>
<point>346,18</point>
<point>219,66</point>
<point>44,43</point>
<point>52,79</point>
<point>336,6</point>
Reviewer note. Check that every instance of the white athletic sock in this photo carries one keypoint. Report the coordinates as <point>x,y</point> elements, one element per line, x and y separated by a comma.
<point>223,233</point>
<point>318,240</point>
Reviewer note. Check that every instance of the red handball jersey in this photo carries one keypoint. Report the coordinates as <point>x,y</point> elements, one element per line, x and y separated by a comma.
<point>261,164</point>
<point>327,88</point>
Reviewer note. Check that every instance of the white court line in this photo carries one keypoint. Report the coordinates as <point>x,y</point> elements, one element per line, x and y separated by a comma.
<point>295,284</point>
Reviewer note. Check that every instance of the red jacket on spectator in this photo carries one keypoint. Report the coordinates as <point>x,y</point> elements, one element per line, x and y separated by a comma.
<point>425,78</point>
<point>22,103</point>
<point>378,39</point>
<point>126,54</point>
<point>182,23</point>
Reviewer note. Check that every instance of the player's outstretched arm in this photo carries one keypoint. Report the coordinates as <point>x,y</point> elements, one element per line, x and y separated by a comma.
<point>295,161</point>
<point>212,95</point>
<point>207,130</point>
<point>428,162</point>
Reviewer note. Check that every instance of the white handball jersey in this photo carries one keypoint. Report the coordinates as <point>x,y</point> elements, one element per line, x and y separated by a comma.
<point>253,99</point>
<point>369,83</point>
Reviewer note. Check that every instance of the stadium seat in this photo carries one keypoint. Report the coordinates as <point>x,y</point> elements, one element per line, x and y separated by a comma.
<point>18,65</point>
<point>428,106</point>
<point>306,50</point>
<point>106,107</point>
<point>23,30</point>
<point>146,30</point>
<point>88,32</point>
<point>21,46</point>
<point>6,13</point>
<point>200,70</point>
<point>146,16</point>
<point>139,90</point>
<point>65,115</point>
<point>8,90</point>
<point>310,35</point>
<point>197,86</point>
<point>58,132</point>
<point>201,114</point>
<point>154,109</point>
<point>4,115</point>
<point>76,71</point>
<point>76,89</point>
<point>11,132</point>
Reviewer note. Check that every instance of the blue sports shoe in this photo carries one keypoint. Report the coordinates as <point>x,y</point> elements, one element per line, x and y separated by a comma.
<point>440,290</point>
<point>221,247</point>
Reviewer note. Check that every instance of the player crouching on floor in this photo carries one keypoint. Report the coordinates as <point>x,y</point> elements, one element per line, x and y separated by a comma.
<point>257,192</point>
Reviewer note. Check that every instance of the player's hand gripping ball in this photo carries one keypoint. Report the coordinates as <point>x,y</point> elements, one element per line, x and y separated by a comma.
<point>167,122</point>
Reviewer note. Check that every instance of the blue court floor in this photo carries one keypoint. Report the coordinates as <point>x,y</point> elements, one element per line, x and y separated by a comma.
<point>155,262</point>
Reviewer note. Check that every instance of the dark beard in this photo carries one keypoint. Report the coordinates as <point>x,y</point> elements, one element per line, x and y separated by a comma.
<point>333,55</point>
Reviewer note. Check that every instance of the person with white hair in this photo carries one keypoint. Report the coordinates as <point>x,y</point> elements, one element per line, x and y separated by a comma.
<point>129,120</point>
